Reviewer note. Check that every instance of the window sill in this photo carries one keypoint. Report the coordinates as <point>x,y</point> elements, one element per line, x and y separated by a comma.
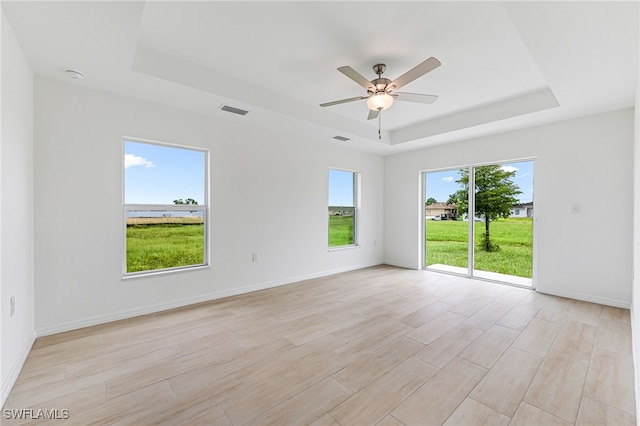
<point>158,272</point>
<point>342,248</point>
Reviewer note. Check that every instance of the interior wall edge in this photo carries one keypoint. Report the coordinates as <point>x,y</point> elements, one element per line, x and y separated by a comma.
<point>14,372</point>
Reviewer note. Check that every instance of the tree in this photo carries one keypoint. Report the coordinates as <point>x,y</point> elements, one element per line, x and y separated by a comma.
<point>188,201</point>
<point>495,197</point>
<point>430,201</point>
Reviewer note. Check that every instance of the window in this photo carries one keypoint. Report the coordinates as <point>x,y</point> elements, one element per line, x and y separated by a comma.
<point>343,211</point>
<point>165,207</point>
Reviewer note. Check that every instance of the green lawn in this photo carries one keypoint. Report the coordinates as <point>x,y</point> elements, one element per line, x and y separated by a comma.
<point>159,246</point>
<point>446,243</point>
<point>340,231</point>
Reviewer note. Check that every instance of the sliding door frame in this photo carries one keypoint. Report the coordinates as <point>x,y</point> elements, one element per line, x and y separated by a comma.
<point>471,219</point>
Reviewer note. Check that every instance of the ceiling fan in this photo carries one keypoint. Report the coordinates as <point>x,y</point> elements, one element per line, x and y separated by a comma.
<point>380,91</point>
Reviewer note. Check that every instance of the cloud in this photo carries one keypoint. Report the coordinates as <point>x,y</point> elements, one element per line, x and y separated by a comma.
<point>509,169</point>
<point>448,178</point>
<point>131,160</point>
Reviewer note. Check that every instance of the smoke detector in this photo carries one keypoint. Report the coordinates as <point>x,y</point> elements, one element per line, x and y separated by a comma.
<point>73,74</point>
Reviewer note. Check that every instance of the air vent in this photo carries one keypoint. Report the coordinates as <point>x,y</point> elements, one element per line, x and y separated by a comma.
<point>234,110</point>
<point>341,138</point>
<point>76,75</point>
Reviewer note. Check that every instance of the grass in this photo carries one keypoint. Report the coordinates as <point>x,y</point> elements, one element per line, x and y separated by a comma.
<point>446,243</point>
<point>160,244</point>
<point>184,220</point>
<point>340,231</point>
<point>173,242</point>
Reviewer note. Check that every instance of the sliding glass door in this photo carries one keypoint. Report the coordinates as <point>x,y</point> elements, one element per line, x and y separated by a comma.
<point>446,236</point>
<point>486,235</point>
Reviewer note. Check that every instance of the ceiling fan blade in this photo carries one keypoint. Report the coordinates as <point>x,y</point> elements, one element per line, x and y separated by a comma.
<point>357,77</point>
<point>415,97</point>
<point>415,72</point>
<point>343,101</point>
<point>373,113</point>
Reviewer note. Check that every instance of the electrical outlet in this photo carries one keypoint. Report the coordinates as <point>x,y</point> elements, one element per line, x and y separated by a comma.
<point>12,306</point>
<point>254,257</point>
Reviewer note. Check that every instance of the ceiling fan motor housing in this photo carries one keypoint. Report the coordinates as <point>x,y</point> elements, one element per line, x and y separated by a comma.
<point>381,84</point>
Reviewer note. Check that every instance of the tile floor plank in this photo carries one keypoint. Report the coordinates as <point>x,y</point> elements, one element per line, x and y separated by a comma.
<point>594,413</point>
<point>558,385</point>
<point>430,331</point>
<point>528,415</point>
<point>471,412</point>
<point>307,406</point>
<point>376,401</point>
<point>449,345</point>
<point>608,380</point>
<point>505,384</point>
<point>486,349</point>
<point>362,372</point>
<point>537,338</point>
<point>434,402</point>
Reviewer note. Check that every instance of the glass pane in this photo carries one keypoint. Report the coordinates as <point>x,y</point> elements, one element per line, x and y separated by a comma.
<point>342,212</point>
<point>158,174</point>
<point>503,236</point>
<point>341,223</point>
<point>161,239</point>
<point>446,234</point>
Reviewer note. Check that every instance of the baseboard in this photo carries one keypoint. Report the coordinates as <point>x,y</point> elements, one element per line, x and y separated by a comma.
<point>586,298</point>
<point>7,385</point>
<point>636,362</point>
<point>179,303</point>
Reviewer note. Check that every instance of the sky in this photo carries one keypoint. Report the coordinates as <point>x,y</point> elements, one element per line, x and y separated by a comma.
<point>158,174</point>
<point>340,188</point>
<point>440,184</point>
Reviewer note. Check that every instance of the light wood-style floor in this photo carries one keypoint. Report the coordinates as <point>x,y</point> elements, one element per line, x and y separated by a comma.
<point>382,345</point>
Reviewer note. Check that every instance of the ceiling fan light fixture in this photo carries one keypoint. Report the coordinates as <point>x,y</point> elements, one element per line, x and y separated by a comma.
<point>379,101</point>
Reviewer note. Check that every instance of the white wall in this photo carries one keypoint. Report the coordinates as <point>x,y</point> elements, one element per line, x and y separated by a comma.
<point>635,304</point>
<point>268,195</point>
<point>16,202</point>
<point>586,161</point>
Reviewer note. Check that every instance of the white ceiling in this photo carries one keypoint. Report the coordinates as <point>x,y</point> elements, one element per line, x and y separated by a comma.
<point>505,65</point>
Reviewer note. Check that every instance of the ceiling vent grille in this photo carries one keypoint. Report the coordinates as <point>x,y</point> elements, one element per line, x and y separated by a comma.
<point>234,110</point>
<point>341,138</point>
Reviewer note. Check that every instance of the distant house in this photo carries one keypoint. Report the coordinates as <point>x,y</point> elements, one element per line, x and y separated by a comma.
<point>450,211</point>
<point>341,211</point>
<point>522,210</point>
